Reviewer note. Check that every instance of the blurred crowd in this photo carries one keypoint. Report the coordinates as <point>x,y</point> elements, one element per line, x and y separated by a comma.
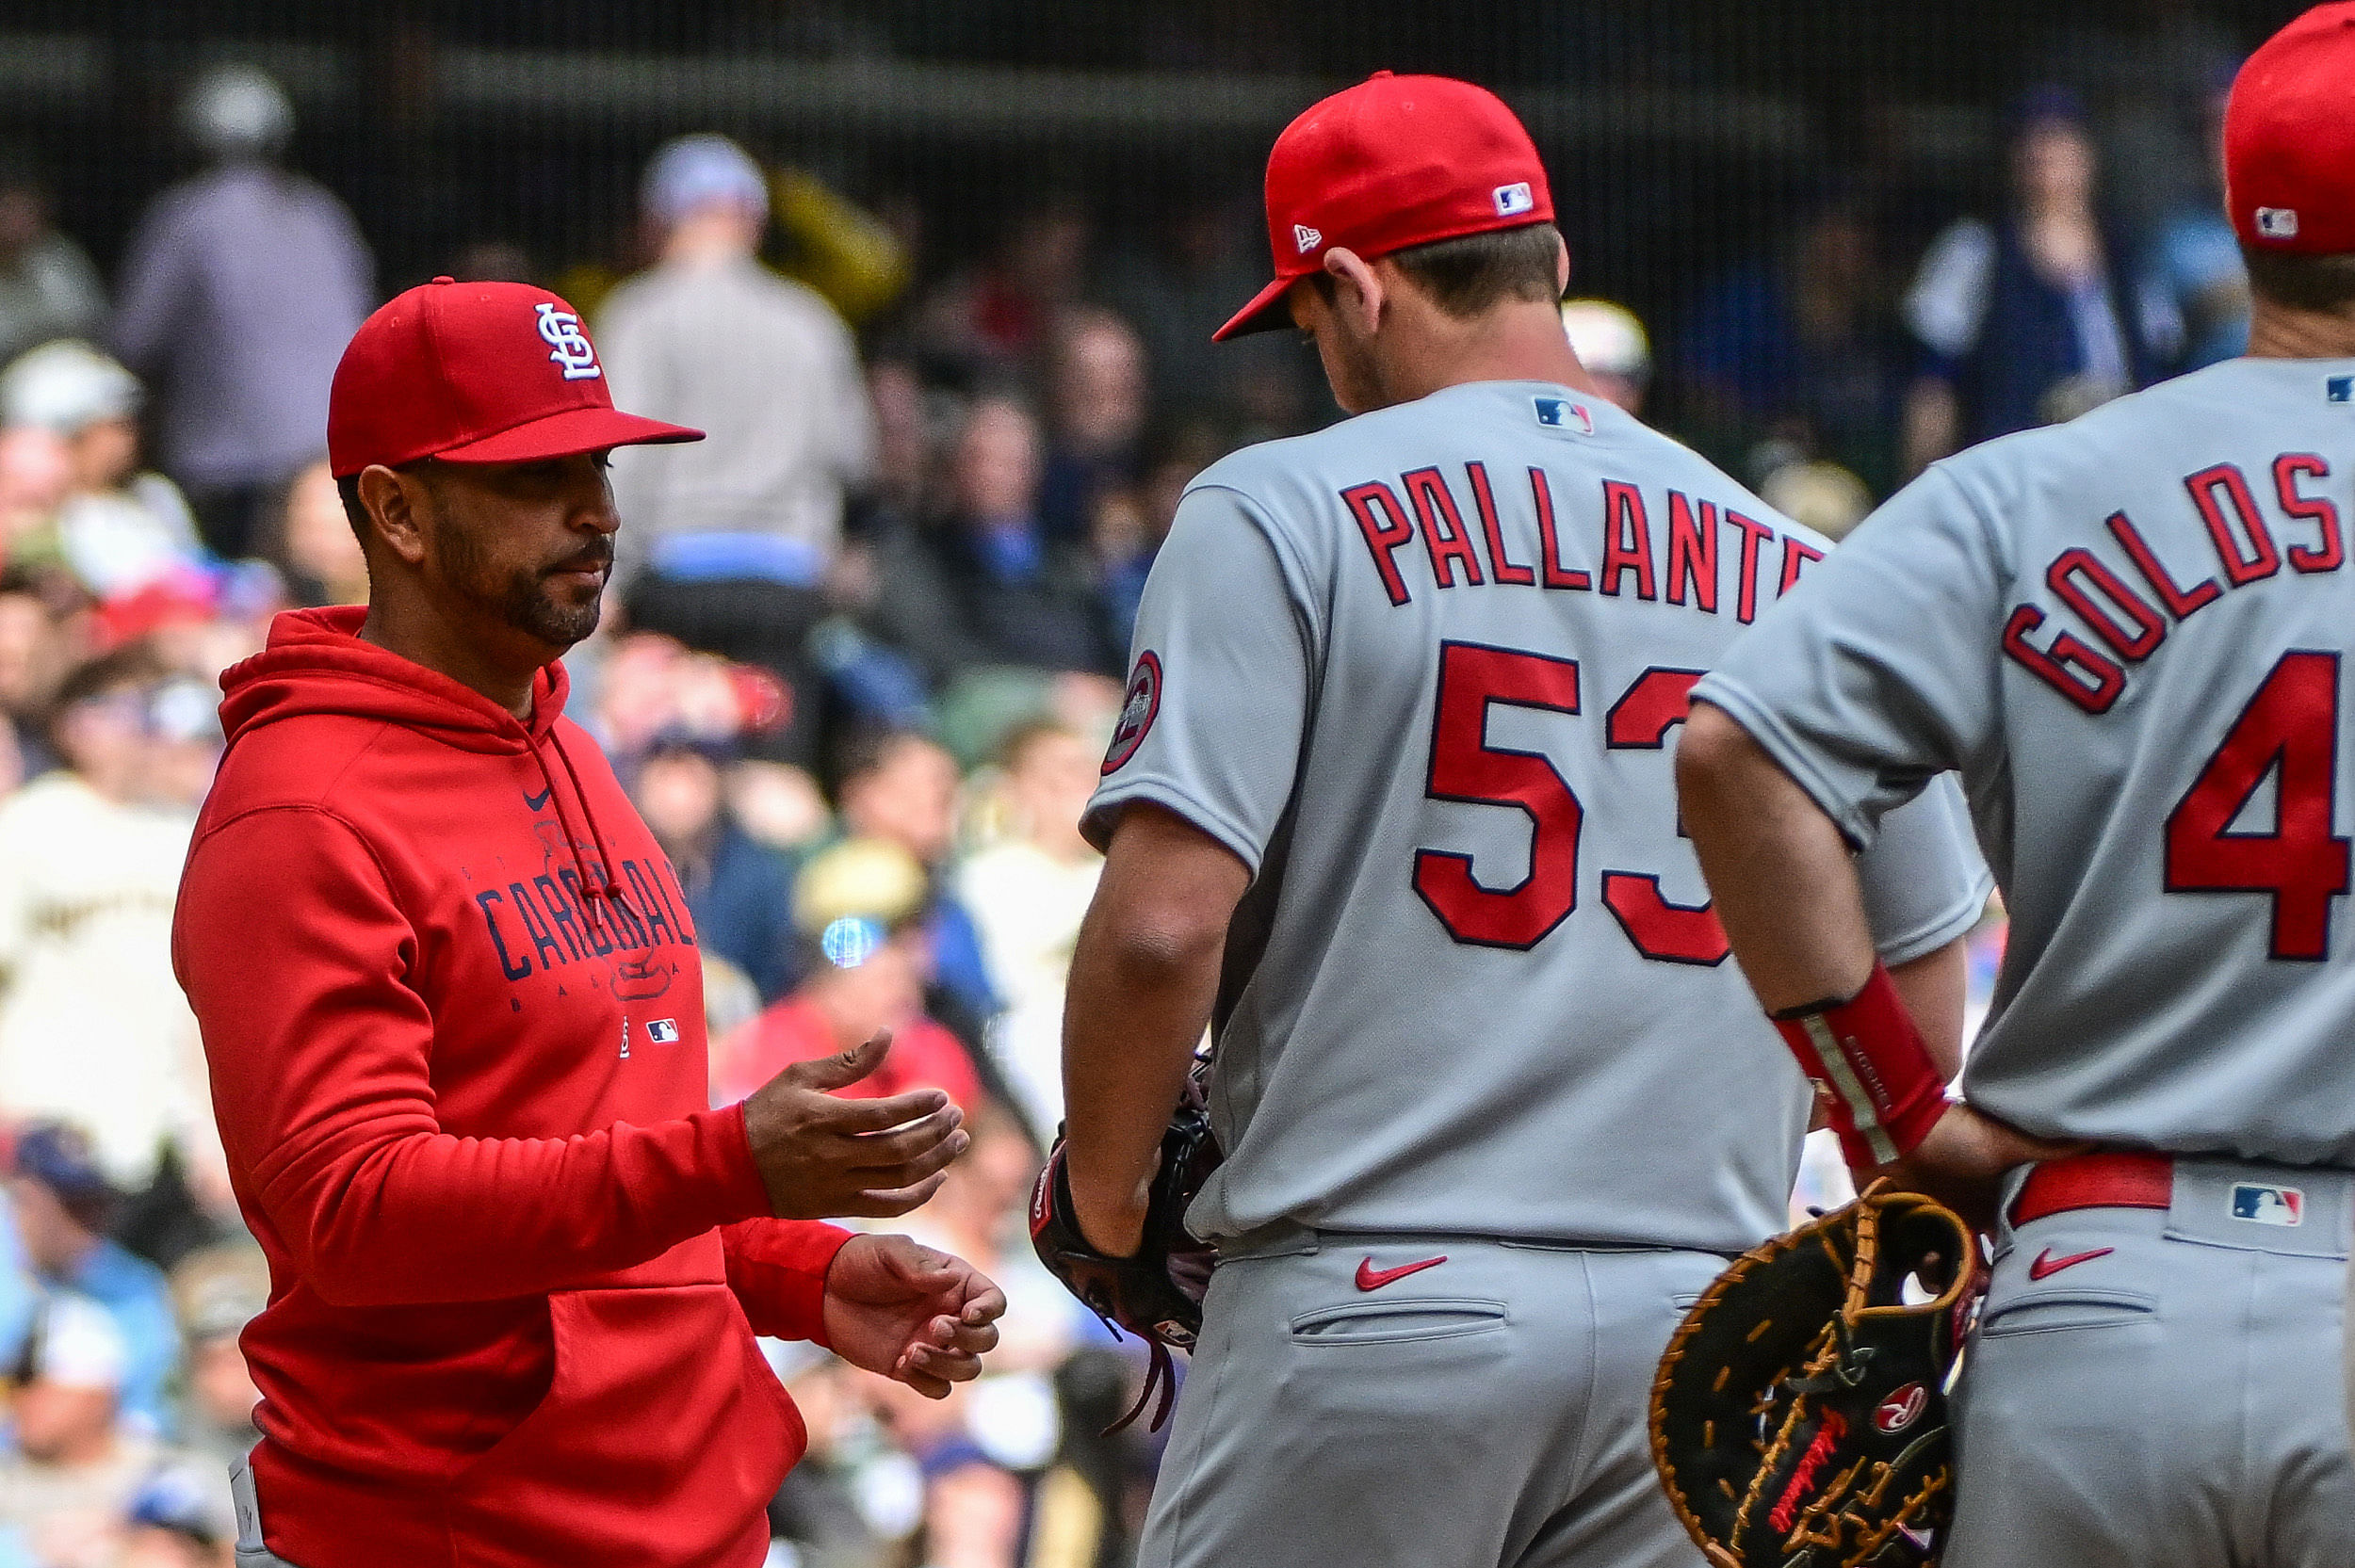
<point>863,650</point>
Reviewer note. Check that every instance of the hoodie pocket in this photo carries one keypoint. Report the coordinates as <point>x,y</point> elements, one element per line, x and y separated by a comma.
<point>661,1438</point>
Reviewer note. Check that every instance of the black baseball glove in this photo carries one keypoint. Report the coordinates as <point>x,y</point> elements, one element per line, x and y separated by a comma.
<point>1799,1419</point>
<point>1157,1293</point>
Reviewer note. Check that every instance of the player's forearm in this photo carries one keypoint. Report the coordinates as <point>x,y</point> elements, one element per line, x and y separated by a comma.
<point>1784,885</point>
<point>424,1217</point>
<point>1144,980</point>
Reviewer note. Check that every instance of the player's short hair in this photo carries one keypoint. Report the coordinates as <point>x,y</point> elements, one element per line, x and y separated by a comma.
<point>2302,282</point>
<point>355,510</point>
<point>1468,274</point>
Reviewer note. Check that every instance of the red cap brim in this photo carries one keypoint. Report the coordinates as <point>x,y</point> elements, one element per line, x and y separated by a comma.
<point>1265,313</point>
<point>565,434</point>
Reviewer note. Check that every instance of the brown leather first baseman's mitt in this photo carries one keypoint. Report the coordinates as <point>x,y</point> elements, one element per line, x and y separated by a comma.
<point>1799,1419</point>
<point>1157,1293</point>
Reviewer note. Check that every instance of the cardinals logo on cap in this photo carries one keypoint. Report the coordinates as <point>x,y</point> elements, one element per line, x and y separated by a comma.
<point>571,345</point>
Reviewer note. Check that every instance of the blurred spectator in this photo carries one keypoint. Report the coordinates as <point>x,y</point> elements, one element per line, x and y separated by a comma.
<point>1823,496</point>
<point>740,893</point>
<point>858,906</point>
<point>1205,259</point>
<point>1028,894</point>
<point>115,529</point>
<point>63,1205</point>
<point>68,1486</point>
<point>33,655</point>
<point>87,875</point>
<point>1610,342</point>
<point>1081,1517</point>
<point>1801,349</point>
<point>218,1291</point>
<point>2199,288</point>
<point>36,473</point>
<point>727,546</point>
<point>180,1517</point>
<point>2026,321</point>
<point>985,1204</point>
<point>48,289</point>
<point>995,319</point>
<point>323,561</point>
<point>239,291</point>
<point>901,787</point>
<point>1097,405</point>
<point>987,587</point>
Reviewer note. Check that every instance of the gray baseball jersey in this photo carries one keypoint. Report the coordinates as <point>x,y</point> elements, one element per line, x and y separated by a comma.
<point>1420,672</point>
<point>2127,634</point>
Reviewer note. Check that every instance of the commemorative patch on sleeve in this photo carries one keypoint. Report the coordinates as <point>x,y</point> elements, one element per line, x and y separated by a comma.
<point>1139,707</point>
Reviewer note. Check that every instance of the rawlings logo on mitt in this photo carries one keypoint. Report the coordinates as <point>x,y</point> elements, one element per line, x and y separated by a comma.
<point>1799,1419</point>
<point>1157,1293</point>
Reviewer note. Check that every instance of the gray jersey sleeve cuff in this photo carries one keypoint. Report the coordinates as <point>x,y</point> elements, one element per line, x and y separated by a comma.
<point>1105,806</point>
<point>1839,798</point>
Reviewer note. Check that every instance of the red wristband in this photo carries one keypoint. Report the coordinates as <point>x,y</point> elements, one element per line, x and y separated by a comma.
<point>1886,1094</point>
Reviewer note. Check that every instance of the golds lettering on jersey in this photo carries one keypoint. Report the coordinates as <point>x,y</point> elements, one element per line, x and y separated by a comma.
<point>1634,556</point>
<point>2107,602</point>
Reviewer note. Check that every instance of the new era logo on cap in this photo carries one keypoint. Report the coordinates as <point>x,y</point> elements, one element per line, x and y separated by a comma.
<point>2277,222</point>
<point>1306,237</point>
<point>1514,199</point>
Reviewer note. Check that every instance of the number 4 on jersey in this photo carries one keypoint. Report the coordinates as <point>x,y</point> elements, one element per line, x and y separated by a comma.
<point>2289,731</point>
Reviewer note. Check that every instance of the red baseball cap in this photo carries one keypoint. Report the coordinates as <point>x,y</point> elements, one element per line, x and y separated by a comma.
<point>475,373</point>
<point>2289,137</point>
<point>1393,162</point>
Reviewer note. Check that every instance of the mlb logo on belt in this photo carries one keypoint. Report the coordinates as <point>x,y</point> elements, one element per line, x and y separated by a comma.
<point>1558,414</point>
<point>2269,1206</point>
<point>662,1031</point>
<point>2340,389</point>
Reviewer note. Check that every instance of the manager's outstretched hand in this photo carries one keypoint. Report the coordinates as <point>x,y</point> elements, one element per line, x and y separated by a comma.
<point>908,1312</point>
<point>823,1157</point>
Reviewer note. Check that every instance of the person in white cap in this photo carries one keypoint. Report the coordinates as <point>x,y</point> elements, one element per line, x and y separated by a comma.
<point>75,1467</point>
<point>729,541</point>
<point>1613,346</point>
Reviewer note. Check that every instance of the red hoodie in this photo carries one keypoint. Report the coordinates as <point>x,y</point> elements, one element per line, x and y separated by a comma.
<point>453,1010</point>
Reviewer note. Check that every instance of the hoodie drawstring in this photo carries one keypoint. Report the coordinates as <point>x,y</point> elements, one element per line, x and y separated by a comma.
<point>595,890</point>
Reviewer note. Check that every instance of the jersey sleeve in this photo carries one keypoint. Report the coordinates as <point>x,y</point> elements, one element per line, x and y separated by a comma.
<point>1925,882</point>
<point>1219,681</point>
<point>1877,673</point>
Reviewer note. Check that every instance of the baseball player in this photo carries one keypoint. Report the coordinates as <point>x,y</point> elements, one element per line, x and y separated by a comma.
<point>1389,809</point>
<point>2128,633</point>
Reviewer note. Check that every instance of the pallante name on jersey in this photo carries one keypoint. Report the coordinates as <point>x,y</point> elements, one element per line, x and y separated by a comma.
<point>2113,600</point>
<point>1681,558</point>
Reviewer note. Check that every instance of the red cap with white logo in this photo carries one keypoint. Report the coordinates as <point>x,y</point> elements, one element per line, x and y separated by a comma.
<point>1393,162</point>
<point>475,373</point>
<point>2289,137</point>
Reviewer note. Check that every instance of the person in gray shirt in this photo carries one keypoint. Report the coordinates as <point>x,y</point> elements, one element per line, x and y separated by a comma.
<point>238,293</point>
<point>48,289</point>
<point>2128,634</point>
<point>730,545</point>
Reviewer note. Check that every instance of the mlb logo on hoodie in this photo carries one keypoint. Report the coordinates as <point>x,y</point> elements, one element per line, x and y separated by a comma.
<point>662,1031</point>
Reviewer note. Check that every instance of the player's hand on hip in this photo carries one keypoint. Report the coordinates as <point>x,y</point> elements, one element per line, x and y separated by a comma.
<point>822,1157</point>
<point>912,1314</point>
<point>1963,1162</point>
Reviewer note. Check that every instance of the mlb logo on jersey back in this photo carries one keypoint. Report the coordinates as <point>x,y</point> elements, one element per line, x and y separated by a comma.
<point>2269,1206</point>
<point>663,1031</point>
<point>2340,389</point>
<point>1560,414</point>
<point>1514,199</point>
